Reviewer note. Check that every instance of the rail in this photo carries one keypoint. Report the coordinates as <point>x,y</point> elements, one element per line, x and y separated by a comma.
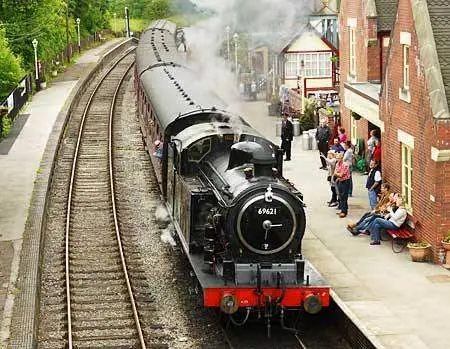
<point>112,196</point>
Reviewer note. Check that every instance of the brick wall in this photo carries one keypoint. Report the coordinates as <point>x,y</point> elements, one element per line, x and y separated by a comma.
<point>366,28</point>
<point>373,51</point>
<point>430,179</point>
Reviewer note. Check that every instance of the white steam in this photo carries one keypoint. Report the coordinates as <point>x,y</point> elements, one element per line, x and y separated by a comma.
<point>162,216</point>
<point>263,21</point>
<point>168,234</point>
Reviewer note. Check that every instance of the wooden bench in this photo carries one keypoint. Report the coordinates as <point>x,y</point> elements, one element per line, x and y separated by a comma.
<point>401,236</point>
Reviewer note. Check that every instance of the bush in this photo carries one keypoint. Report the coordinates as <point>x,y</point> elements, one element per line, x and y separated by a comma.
<point>307,119</point>
<point>10,70</point>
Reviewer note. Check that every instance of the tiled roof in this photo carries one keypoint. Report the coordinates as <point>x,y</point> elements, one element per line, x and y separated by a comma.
<point>439,11</point>
<point>386,10</point>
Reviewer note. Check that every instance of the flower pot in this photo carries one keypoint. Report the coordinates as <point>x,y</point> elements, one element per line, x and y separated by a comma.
<point>43,85</point>
<point>419,254</point>
<point>446,245</point>
<point>54,73</point>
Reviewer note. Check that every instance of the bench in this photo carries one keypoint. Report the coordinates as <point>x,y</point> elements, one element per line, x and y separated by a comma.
<point>401,236</point>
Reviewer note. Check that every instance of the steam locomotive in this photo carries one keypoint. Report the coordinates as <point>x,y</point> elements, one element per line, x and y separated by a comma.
<point>239,221</point>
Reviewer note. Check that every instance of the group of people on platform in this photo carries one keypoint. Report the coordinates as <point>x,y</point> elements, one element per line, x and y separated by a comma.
<point>387,212</point>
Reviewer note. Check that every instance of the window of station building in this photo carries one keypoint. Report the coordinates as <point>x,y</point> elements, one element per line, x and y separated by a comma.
<point>407,173</point>
<point>352,51</point>
<point>354,130</point>
<point>316,64</point>
<point>405,67</point>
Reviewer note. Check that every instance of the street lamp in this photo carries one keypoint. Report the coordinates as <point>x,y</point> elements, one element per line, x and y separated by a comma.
<point>228,43</point>
<point>115,23</point>
<point>78,29</point>
<point>35,43</point>
<point>236,37</point>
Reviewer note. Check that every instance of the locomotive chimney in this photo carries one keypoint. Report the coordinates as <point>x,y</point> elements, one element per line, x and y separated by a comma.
<point>262,158</point>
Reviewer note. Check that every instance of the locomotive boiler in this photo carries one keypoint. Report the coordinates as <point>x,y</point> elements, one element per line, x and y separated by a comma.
<point>240,222</point>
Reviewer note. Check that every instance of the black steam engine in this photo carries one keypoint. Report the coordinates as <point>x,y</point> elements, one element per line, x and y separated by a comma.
<point>240,222</point>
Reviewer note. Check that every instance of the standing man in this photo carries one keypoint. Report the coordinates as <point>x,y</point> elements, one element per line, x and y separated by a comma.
<point>287,133</point>
<point>323,135</point>
<point>373,183</point>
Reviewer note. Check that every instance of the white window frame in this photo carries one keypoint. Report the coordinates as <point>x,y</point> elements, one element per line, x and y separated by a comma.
<point>353,129</point>
<point>352,51</point>
<point>316,64</point>
<point>406,70</point>
<point>407,174</point>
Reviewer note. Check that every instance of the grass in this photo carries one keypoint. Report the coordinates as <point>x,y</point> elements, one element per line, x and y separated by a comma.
<point>136,25</point>
<point>139,25</point>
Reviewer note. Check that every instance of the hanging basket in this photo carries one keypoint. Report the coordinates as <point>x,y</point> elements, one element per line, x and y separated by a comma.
<point>356,116</point>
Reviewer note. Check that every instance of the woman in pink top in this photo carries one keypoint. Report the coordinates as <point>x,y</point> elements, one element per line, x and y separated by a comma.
<point>342,174</point>
<point>342,136</point>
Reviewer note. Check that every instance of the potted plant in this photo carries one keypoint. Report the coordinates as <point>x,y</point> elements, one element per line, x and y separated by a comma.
<point>446,242</point>
<point>419,251</point>
<point>274,106</point>
<point>43,82</point>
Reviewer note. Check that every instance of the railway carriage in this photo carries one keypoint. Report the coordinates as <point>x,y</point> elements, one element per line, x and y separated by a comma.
<point>240,222</point>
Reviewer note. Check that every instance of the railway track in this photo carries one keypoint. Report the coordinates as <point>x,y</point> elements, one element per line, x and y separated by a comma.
<point>88,284</point>
<point>100,301</point>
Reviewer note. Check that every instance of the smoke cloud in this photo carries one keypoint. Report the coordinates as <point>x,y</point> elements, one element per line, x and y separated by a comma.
<point>262,20</point>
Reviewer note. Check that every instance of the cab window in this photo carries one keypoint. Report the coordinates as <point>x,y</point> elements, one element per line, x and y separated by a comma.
<point>199,150</point>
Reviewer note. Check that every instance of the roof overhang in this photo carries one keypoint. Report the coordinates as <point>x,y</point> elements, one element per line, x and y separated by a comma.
<point>363,98</point>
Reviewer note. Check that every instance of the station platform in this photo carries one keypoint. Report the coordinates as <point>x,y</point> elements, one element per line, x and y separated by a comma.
<point>21,153</point>
<point>397,303</point>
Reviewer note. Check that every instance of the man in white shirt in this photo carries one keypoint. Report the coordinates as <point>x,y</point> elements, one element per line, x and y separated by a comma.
<point>393,220</point>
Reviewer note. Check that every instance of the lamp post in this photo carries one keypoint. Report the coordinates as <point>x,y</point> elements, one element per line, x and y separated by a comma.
<point>35,43</point>
<point>228,43</point>
<point>79,39</point>
<point>127,22</point>
<point>115,23</point>
<point>303,83</point>
<point>236,38</point>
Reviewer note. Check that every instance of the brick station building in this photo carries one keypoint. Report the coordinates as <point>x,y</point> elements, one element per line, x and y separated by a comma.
<point>395,77</point>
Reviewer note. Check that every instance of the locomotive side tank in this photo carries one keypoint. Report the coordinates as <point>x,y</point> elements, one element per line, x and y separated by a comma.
<point>240,222</point>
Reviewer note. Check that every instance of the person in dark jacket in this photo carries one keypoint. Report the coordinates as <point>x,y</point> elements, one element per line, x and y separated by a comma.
<point>337,147</point>
<point>323,135</point>
<point>373,183</point>
<point>287,133</point>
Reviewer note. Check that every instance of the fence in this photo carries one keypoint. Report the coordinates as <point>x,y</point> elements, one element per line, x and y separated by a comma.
<point>10,107</point>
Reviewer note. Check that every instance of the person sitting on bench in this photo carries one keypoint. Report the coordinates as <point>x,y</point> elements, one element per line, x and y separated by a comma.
<point>393,220</point>
<point>386,199</point>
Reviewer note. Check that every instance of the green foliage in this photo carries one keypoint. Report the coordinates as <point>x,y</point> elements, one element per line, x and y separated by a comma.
<point>447,238</point>
<point>6,126</point>
<point>307,119</point>
<point>10,70</point>
<point>420,244</point>
<point>157,9</point>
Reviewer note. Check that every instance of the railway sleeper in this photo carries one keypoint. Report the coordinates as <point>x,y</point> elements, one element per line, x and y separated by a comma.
<point>96,335</point>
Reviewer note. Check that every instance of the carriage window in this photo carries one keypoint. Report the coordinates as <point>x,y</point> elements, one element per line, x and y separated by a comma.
<point>199,149</point>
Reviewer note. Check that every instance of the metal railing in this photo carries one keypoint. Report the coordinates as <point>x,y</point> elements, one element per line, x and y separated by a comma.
<point>10,107</point>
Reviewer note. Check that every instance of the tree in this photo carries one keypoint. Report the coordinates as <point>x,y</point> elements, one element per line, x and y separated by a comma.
<point>157,9</point>
<point>10,70</point>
